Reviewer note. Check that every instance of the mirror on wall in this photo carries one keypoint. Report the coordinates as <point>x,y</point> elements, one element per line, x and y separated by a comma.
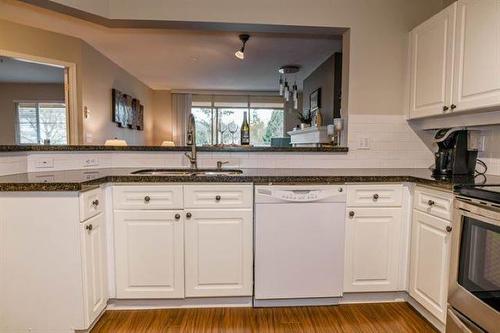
<point>33,108</point>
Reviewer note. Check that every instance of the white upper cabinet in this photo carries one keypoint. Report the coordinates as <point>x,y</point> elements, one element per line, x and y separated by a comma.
<point>455,60</point>
<point>477,57</point>
<point>431,61</point>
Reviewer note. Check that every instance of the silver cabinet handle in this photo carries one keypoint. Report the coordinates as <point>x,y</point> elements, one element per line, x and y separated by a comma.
<point>177,216</point>
<point>217,198</point>
<point>449,229</point>
<point>375,196</point>
<point>95,203</point>
<point>89,227</point>
<point>351,214</point>
<point>147,198</point>
<point>431,203</point>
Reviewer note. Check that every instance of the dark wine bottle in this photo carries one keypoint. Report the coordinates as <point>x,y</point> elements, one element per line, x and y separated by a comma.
<point>245,131</point>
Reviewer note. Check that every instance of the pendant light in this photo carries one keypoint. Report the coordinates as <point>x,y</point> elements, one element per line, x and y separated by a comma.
<point>295,96</point>
<point>287,92</point>
<point>284,87</point>
<point>240,54</point>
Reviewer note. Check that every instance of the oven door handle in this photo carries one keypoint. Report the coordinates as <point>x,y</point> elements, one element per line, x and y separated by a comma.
<point>456,322</point>
<point>482,218</point>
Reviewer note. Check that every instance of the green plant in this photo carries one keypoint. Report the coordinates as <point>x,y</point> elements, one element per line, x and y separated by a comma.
<point>304,118</point>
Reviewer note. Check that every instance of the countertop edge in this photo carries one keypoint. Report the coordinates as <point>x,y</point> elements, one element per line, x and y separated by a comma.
<point>226,149</point>
<point>257,180</point>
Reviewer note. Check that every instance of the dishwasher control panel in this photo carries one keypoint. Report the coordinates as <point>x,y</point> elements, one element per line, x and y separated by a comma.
<point>300,193</point>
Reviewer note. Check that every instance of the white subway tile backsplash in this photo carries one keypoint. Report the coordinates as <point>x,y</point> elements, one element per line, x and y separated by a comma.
<point>393,144</point>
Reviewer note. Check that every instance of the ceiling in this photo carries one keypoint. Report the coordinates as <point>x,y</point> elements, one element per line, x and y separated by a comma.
<point>16,71</point>
<point>194,60</point>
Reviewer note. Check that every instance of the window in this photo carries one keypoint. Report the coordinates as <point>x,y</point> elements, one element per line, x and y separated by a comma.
<point>39,122</point>
<point>219,118</point>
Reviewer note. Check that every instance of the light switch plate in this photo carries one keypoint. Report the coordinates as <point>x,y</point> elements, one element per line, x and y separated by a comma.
<point>91,161</point>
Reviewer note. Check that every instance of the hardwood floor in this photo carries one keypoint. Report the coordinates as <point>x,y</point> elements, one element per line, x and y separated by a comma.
<point>355,318</point>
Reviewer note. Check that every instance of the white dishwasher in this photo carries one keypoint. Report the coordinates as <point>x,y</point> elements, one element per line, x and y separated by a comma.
<point>299,244</point>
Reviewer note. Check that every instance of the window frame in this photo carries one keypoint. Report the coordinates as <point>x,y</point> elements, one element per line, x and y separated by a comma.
<point>215,118</point>
<point>38,102</point>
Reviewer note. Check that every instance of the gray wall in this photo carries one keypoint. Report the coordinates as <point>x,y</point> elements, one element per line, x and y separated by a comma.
<point>322,77</point>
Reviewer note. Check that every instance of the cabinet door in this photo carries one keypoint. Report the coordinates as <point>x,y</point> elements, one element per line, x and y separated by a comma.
<point>431,64</point>
<point>93,253</point>
<point>477,56</point>
<point>373,245</point>
<point>149,254</point>
<point>429,265</point>
<point>219,253</point>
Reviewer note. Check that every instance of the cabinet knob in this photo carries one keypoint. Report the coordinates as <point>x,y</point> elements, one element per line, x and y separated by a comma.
<point>431,203</point>
<point>188,215</point>
<point>375,196</point>
<point>449,229</point>
<point>351,214</point>
<point>95,203</point>
<point>89,227</point>
<point>445,108</point>
<point>453,106</point>
<point>147,198</point>
<point>217,198</point>
<point>177,216</point>
<point>341,189</point>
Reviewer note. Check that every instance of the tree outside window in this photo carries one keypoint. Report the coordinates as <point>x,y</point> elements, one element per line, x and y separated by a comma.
<point>39,122</point>
<point>265,123</point>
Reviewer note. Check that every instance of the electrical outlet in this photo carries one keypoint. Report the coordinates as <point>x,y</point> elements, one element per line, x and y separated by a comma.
<point>364,143</point>
<point>91,161</point>
<point>44,163</point>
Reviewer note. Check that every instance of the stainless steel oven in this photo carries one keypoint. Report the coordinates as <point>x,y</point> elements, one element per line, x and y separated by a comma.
<point>474,292</point>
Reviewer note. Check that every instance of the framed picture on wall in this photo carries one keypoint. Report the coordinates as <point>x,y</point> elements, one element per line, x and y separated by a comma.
<point>315,99</point>
<point>127,111</point>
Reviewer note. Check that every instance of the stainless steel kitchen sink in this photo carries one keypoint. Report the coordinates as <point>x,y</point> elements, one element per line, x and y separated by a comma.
<point>188,172</point>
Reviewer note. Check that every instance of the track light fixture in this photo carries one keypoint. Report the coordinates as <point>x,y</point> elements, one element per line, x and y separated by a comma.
<point>240,54</point>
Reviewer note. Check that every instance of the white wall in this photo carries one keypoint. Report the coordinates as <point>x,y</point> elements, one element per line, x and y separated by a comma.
<point>99,76</point>
<point>379,33</point>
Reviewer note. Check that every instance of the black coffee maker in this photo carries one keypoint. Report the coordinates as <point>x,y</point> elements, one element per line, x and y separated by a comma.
<point>457,152</point>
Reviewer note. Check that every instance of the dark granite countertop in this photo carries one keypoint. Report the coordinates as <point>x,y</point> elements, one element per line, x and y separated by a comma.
<point>77,180</point>
<point>226,149</point>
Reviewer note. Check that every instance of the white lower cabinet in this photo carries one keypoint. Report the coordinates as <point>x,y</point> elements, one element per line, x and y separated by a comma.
<point>202,248</point>
<point>219,253</point>
<point>373,248</point>
<point>429,265</point>
<point>149,254</point>
<point>93,251</point>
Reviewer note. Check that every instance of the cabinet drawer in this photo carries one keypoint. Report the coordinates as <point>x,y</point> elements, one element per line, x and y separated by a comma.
<point>433,202</point>
<point>218,196</point>
<point>91,204</point>
<point>148,197</point>
<point>374,195</point>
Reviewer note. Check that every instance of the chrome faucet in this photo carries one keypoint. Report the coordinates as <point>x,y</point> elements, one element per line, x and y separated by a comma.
<point>191,140</point>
